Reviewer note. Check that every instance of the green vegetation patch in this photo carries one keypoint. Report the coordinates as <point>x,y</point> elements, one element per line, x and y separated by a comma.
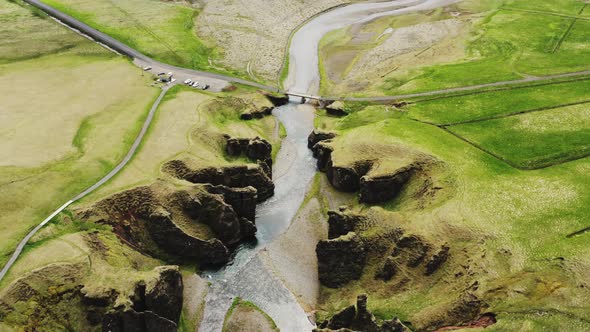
<point>564,7</point>
<point>162,30</point>
<point>476,106</point>
<point>26,33</point>
<point>535,139</point>
<point>246,316</point>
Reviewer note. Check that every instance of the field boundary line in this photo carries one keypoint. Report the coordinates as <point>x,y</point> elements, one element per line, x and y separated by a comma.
<point>543,13</point>
<point>503,159</point>
<point>508,115</point>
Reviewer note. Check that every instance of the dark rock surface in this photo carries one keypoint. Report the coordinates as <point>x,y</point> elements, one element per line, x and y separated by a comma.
<point>256,113</point>
<point>231,176</point>
<point>165,218</point>
<point>276,99</point>
<point>412,249</point>
<point>361,320</point>
<point>342,222</point>
<point>388,270</point>
<point>322,151</point>
<point>242,200</point>
<point>256,149</point>
<point>317,136</point>
<point>155,309</point>
<point>336,108</point>
<point>340,260</point>
<point>438,259</point>
<point>380,189</point>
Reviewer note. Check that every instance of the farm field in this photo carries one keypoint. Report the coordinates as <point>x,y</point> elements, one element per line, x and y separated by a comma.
<point>62,134</point>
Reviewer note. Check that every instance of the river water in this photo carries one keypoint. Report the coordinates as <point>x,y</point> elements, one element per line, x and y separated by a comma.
<point>247,277</point>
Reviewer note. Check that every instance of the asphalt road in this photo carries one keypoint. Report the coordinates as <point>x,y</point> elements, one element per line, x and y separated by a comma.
<point>117,169</point>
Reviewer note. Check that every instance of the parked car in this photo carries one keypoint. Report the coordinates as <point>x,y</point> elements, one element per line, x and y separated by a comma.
<point>188,81</point>
<point>147,68</point>
<point>195,84</point>
<point>205,87</point>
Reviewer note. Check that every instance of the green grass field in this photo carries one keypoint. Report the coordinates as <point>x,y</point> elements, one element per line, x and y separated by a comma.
<point>536,139</point>
<point>482,105</point>
<point>162,30</point>
<point>63,128</point>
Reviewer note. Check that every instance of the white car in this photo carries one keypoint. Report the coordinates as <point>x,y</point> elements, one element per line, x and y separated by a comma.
<point>195,84</point>
<point>188,81</point>
<point>147,68</point>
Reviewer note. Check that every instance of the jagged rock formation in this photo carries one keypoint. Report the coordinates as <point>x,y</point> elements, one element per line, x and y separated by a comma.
<point>155,308</point>
<point>317,136</point>
<point>256,149</point>
<point>354,238</point>
<point>232,176</point>
<point>359,319</point>
<point>194,222</point>
<point>359,175</point>
<point>341,260</point>
<point>58,294</point>
<point>256,113</point>
<point>412,251</point>
<point>336,108</point>
<point>276,99</point>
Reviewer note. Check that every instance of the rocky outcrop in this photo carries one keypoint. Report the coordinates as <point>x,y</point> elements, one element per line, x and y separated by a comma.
<point>256,113</point>
<point>360,319</point>
<point>61,300</point>
<point>412,249</point>
<point>342,222</point>
<point>380,189</point>
<point>156,308</point>
<point>340,260</point>
<point>277,99</point>
<point>347,179</point>
<point>358,175</point>
<point>388,270</point>
<point>317,136</point>
<point>201,222</point>
<point>230,176</point>
<point>169,237</point>
<point>438,259</point>
<point>336,108</point>
<point>242,200</point>
<point>255,149</point>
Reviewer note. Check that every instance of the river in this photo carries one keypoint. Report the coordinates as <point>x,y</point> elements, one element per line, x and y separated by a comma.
<point>247,277</point>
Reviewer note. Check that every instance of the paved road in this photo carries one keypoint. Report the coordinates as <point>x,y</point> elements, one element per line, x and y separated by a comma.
<point>106,178</point>
<point>142,59</point>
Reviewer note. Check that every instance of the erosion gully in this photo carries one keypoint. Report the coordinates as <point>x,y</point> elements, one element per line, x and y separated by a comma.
<point>247,277</point>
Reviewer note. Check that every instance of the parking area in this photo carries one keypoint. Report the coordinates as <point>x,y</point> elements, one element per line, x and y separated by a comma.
<point>173,75</point>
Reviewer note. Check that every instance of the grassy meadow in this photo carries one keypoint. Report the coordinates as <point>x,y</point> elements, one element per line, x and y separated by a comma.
<point>159,29</point>
<point>63,127</point>
<point>509,230</point>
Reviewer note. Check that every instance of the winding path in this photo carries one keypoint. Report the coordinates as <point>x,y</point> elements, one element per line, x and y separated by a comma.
<point>100,182</point>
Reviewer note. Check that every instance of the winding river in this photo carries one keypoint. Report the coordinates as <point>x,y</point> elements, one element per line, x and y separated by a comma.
<point>247,277</point>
